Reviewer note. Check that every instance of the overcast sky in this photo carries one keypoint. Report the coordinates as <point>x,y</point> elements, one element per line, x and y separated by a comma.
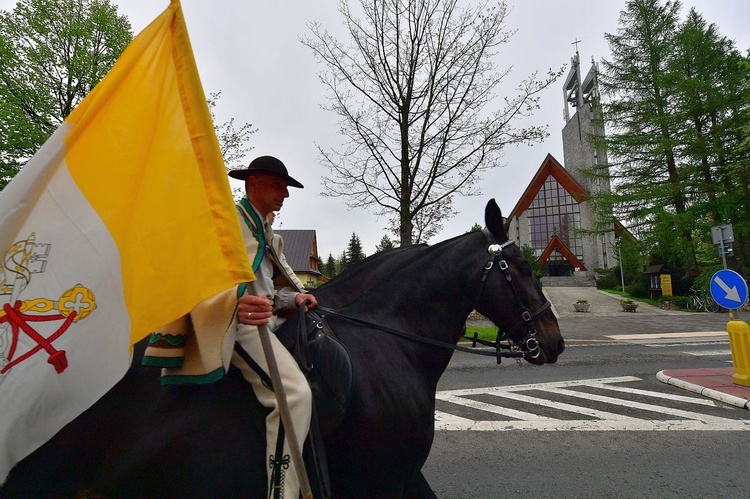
<point>249,50</point>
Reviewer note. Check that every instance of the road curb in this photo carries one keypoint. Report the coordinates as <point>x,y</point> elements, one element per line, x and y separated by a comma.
<point>706,392</point>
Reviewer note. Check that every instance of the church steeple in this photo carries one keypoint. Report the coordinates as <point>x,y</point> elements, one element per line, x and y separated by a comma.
<point>579,153</point>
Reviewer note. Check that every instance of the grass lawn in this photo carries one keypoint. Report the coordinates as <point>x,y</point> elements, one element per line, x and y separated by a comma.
<point>483,333</point>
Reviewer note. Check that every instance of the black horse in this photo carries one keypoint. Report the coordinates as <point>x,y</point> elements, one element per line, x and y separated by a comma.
<point>145,440</point>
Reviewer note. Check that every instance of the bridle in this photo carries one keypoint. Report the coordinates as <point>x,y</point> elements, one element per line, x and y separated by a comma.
<point>513,348</point>
<point>527,345</point>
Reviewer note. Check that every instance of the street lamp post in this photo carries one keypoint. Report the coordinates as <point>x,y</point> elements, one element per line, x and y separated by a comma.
<point>619,253</point>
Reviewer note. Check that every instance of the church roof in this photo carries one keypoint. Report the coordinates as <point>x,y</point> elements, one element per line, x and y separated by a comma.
<point>550,166</point>
<point>557,244</point>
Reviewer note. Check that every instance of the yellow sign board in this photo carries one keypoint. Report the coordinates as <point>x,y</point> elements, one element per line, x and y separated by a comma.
<point>666,284</point>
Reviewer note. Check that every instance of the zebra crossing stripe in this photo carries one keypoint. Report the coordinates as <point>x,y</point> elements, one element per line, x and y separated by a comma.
<point>659,395</point>
<point>639,405</point>
<point>495,409</point>
<point>586,411</point>
<point>709,353</point>
<point>668,336</point>
<point>678,419</point>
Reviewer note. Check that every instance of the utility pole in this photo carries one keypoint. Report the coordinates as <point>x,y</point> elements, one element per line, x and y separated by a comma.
<point>619,253</point>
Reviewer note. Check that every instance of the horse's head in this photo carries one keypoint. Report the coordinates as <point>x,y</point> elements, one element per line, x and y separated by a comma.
<point>511,298</point>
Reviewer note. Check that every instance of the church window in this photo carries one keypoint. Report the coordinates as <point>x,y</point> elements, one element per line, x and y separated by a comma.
<point>554,212</point>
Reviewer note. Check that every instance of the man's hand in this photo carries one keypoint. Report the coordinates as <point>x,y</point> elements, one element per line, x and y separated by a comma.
<point>308,299</point>
<point>254,310</point>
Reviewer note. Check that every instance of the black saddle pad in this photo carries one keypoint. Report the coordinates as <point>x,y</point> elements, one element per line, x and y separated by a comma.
<point>326,363</point>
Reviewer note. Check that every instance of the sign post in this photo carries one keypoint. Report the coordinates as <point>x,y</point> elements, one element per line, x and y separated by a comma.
<point>721,235</point>
<point>729,289</point>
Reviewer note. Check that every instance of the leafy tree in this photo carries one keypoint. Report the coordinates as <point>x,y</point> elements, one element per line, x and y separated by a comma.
<point>330,267</point>
<point>476,228</point>
<point>385,244</point>
<point>413,91</point>
<point>530,254</point>
<point>354,251</point>
<point>52,53</point>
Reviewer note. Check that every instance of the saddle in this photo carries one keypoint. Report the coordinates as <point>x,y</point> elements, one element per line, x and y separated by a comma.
<point>325,362</point>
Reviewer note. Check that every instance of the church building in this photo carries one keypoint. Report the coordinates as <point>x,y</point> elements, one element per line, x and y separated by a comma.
<point>553,214</point>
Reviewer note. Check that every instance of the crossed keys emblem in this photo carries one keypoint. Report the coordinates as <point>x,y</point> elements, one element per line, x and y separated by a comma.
<point>23,259</point>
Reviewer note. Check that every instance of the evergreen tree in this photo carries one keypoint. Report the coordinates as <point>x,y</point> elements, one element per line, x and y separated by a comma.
<point>385,244</point>
<point>330,267</point>
<point>642,128</point>
<point>354,251</point>
<point>711,104</point>
<point>675,101</point>
<point>343,263</point>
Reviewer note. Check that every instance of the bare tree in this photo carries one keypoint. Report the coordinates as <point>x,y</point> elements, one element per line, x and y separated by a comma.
<point>234,142</point>
<point>412,91</point>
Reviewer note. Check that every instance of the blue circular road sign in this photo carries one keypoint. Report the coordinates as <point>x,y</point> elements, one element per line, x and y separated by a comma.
<point>729,289</point>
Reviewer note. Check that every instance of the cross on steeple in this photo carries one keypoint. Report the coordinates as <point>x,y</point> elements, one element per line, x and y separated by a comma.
<point>576,42</point>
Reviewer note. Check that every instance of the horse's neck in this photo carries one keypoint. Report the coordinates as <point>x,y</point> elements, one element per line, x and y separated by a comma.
<point>431,296</point>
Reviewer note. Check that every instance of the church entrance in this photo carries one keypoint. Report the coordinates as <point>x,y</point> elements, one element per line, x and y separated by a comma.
<point>557,265</point>
<point>557,268</point>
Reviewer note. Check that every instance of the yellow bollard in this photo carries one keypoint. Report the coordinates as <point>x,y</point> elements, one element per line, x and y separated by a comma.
<point>739,343</point>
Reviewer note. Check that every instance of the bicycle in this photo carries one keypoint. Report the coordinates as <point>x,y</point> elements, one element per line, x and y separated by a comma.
<point>702,301</point>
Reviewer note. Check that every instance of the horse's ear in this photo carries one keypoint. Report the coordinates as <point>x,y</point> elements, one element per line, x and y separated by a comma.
<point>493,219</point>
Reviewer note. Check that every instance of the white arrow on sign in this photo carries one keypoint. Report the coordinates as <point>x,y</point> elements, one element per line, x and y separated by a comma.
<point>732,293</point>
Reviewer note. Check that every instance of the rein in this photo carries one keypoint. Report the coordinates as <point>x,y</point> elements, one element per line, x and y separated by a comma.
<point>513,349</point>
<point>421,339</point>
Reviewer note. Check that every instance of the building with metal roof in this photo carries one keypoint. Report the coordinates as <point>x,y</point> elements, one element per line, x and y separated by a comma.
<point>301,253</point>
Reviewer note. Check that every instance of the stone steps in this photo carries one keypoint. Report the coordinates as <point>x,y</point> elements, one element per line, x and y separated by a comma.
<point>580,279</point>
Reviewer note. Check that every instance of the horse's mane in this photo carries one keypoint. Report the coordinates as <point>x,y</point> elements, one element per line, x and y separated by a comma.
<point>359,277</point>
<point>385,270</point>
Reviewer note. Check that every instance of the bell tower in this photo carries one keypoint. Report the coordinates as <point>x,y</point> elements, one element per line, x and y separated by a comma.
<point>583,123</point>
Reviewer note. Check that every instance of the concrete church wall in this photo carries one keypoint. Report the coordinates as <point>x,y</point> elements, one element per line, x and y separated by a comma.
<point>579,153</point>
<point>598,251</point>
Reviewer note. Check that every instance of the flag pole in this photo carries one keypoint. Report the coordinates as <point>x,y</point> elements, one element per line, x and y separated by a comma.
<point>286,416</point>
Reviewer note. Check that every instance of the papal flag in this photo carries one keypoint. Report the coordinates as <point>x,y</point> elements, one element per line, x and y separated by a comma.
<point>122,222</point>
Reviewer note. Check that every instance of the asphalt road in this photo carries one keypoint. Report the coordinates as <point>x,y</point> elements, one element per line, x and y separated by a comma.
<point>597,424</point>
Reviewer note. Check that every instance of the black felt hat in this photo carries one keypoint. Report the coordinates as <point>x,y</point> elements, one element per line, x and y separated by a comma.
<point>267,165</point>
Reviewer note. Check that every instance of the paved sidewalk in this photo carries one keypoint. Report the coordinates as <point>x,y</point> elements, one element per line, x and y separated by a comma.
<point>606,321</point>
<point>713,383</point>
<point>601,303</point>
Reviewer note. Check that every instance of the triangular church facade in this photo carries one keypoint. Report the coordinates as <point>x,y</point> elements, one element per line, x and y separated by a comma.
<point>553,215</point>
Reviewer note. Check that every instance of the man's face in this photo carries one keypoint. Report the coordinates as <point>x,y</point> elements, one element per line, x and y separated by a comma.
<point>267,192</point>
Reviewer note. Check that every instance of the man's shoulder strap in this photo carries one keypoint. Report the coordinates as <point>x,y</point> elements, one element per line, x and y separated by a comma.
<point>253,222</point>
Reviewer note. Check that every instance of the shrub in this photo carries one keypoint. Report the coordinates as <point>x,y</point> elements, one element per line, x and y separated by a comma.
<point>678,301</point>
<point>607,278</point>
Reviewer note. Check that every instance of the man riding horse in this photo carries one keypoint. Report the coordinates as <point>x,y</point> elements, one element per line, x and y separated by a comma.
<point>266,184</point>
<point>210,440</point>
